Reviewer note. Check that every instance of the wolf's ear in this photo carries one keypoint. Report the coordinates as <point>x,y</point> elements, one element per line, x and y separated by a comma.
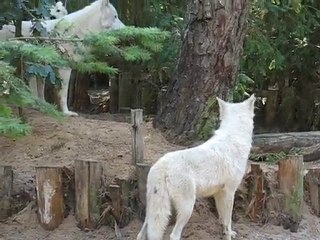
<point>250,101</point>
<point>104,3</point>
<point>221,106</point>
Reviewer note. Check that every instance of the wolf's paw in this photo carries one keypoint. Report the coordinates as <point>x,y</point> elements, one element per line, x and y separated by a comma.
<point>70,114</point>
<point>229,235</point>
<point>233,234</point>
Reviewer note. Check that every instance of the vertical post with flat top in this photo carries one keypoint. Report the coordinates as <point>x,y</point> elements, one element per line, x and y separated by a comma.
<point>137,135</point>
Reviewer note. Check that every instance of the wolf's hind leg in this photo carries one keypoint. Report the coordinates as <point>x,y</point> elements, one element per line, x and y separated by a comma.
<point>143,232</point>
<point>224,202</point>
<point>183,201</point>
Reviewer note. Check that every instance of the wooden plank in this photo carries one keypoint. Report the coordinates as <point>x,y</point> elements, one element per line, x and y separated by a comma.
<point>49,196</point>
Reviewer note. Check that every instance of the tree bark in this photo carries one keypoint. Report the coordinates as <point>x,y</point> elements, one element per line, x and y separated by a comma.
<point>207,67</point>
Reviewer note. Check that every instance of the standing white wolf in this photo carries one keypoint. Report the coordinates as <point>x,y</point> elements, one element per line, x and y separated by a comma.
<point>214,168</point>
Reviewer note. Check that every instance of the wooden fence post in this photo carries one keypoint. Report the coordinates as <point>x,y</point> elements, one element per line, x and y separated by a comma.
<point>137,135</point>
<point>88,183</point>
<point>143,171</point>
<point>312,179</point>
<point>6,182</point>
<point>290,177</point>
<point>49,196</point>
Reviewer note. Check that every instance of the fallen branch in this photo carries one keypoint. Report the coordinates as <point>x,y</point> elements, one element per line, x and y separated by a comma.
<point>46,39</point>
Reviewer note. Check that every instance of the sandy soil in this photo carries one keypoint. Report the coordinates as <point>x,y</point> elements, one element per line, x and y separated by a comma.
<point>103,138</point>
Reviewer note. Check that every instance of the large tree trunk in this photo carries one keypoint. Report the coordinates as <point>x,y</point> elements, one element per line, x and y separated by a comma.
<point>207,67</point>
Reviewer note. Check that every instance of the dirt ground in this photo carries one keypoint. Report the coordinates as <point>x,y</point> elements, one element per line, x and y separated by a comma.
<point>106,138</point>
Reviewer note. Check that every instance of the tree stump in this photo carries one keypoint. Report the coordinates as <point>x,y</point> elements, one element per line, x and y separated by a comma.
<point>290,177</point>
<point>6,182</point>
<point>115,195</point>
<point>312,180</point>
<point>137,135</point>
<point>143,171</point>
<point>258,195</point>
<point>49,196</point>
<point>88,198</point>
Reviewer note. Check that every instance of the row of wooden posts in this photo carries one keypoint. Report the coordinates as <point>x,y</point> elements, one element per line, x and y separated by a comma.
<point>88,187</point>
<point>284,198</point>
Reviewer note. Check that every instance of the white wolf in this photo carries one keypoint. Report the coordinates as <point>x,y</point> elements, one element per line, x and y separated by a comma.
<point>214,168</point>
<point>57,11</point>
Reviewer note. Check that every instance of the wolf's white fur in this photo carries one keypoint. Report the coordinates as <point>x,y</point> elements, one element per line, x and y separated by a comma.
<point>98,16</point>
<point>214,168</point>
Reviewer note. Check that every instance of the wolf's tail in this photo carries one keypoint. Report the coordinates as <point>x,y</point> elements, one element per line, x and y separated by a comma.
<point>158,205</point>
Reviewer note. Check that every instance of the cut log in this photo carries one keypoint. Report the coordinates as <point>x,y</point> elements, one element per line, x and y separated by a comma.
<point>6,182</point>
<point>277,142</point>
<point>312,180</point>
<point>290,177</point>
<point>87,188</point>
<point>142,171</point>
<point>258,196</point>
<point>49,196</point>
<point>137,135</point>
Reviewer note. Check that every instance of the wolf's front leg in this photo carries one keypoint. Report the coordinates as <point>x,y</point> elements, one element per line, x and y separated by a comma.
<point>224,203</point>
<point>33,85</point>
<point>63,92</point>
<point>40,87</point>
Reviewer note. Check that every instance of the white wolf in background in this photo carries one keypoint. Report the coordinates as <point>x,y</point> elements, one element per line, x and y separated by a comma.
<point>57,11</point>
<point>214,168</point>
<point>98,16</point>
